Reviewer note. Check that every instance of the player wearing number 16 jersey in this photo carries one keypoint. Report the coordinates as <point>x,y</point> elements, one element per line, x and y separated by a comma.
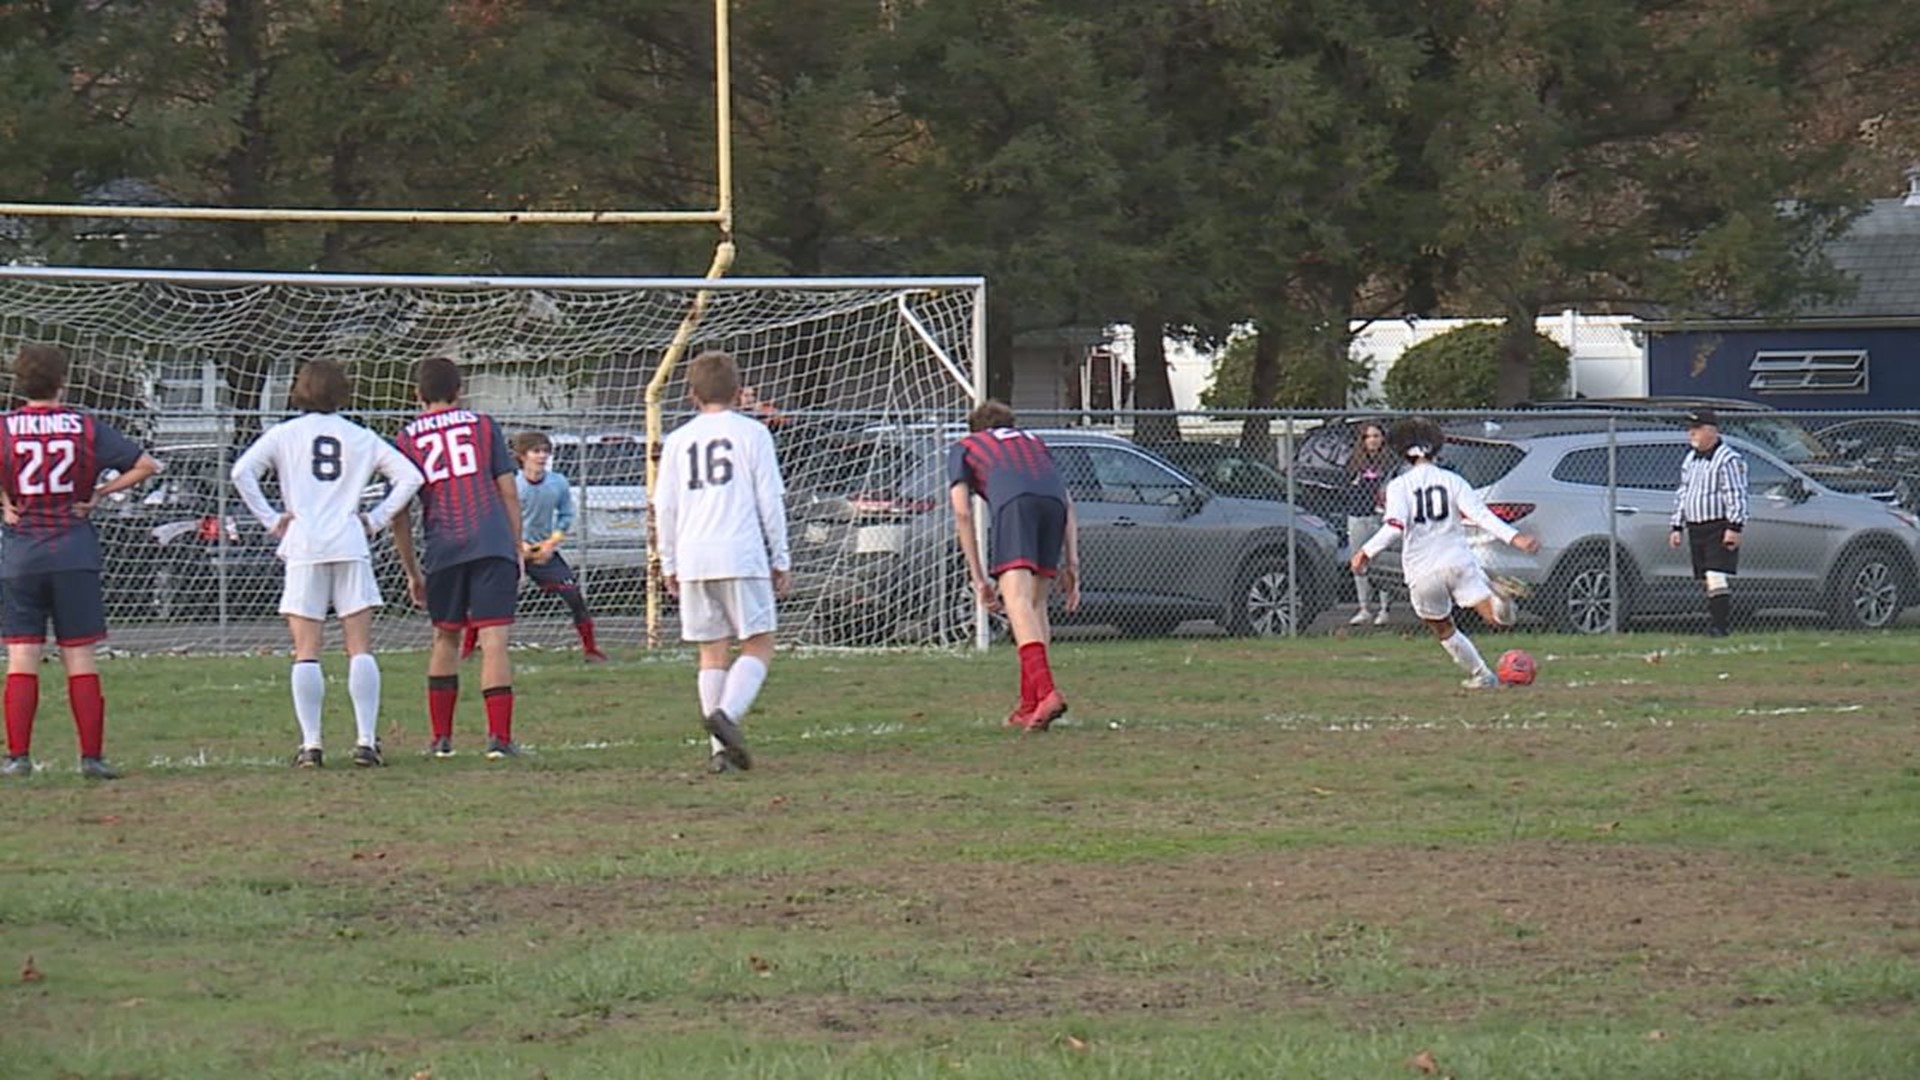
<point>51,458</point>
<point>1425,505</point>
<point>471,512</point>
<point>720,514</point>
<point>324,462</point>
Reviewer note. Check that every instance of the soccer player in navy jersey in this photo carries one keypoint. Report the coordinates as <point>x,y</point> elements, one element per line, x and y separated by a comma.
<point>470,510</point>
<point>51,458</point>
<point>1034,544</point>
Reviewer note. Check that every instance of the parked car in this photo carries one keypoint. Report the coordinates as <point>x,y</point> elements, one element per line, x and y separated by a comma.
<point>170,544</point>
<point>608,471</point>
<point>1886,444</point>
<point>1806,546</point>
<point>1761,425</point>
<point>1226,468</point>
<point>872,529</point>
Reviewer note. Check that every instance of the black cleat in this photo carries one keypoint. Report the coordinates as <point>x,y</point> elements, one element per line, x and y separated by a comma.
<point>96,768</point>
<point>367,756</point>
<point>721,726</point>
<point>501,748</point>
<point>17,765</point>
<point>309,757</point>
<point>441,747</point>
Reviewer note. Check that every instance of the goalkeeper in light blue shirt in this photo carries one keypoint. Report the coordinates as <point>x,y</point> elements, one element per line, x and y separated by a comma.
<point>546,514</point>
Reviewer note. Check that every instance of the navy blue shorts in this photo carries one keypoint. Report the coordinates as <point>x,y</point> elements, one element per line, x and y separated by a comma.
<point>554,575</point>
<point>70,598</point>
<point>477,593</point>
<point>1028,533</point>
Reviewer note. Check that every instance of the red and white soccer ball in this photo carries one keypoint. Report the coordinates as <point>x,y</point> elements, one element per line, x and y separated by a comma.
<point>1516,667</point>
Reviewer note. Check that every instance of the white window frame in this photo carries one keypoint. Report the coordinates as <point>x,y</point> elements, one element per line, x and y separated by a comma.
<point>1810,371</point>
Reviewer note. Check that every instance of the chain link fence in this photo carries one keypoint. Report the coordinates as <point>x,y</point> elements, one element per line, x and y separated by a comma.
<point>1191,524</point>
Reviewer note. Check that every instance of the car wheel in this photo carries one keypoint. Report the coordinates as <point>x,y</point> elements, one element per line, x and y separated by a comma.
<point>1263,603</point>
<point>1869,591</point>
<point>1582,597</point>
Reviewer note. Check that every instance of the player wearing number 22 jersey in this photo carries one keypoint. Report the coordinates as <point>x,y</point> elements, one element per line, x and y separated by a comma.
<point>51,458</point>
<point>323,462</point>
<point>471,511</point>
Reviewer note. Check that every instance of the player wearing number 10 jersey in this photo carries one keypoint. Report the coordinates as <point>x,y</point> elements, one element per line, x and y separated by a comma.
<point>323,462</point>
<point>721,523</point>
<point>1425,504</point>
<point>470,508</point>
<point>51,458</point>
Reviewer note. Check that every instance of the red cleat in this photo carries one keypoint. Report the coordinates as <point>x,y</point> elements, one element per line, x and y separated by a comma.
<point>595,656</point>
<point>1051,708</point>
<point>1020,717</point>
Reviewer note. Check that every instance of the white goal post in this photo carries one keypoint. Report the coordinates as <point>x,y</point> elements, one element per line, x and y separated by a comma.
<point>855,376</point>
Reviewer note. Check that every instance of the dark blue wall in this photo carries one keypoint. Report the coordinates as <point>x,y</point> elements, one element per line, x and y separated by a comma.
<point>1713,363</point>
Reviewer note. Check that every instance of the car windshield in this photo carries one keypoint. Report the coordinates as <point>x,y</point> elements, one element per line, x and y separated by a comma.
<point>1784,437</point>
<point>613,462</point>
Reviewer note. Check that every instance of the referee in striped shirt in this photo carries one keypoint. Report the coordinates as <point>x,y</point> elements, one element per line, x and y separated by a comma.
<point>1710,512</point>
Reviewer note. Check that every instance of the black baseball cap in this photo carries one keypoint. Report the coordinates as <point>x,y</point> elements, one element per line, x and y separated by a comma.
<point>1702,418</point>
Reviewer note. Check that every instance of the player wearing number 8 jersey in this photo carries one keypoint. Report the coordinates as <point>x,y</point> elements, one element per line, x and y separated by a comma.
<point>1425,505</point>
<point>720,517</point>
<point>470,509</point>
<point>51,457</point>
<point>323,463</point>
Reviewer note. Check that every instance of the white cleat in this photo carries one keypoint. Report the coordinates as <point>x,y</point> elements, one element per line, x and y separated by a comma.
<point>1380,619</point>
<point>1361,617</point>
<point>1486,680</point>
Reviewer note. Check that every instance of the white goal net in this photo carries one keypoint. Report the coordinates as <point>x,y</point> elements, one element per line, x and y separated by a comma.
<point>861,381</point>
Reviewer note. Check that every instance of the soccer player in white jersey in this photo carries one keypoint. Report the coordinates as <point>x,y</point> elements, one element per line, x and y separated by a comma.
<point>324,463</point>
<point>1425,505</point>
<point>719,508</point>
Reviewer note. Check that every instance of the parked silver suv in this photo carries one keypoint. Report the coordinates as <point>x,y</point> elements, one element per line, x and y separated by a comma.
<point>1806,547</point>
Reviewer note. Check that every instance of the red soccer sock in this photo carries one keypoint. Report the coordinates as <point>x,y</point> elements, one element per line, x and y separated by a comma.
<point>1036,678</point>
<point>499,712</point>
<point>443,692</point>
<point>585,627</point>
<point>89,712</point>
<point>23,700</point>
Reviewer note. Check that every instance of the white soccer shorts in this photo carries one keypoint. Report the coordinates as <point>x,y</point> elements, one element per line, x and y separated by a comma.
<point>724,608</point>
<point>347,587</point>
<point>1437,594</point>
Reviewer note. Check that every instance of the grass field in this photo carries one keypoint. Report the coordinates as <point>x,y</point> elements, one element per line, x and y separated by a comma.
<point>1317,858</point>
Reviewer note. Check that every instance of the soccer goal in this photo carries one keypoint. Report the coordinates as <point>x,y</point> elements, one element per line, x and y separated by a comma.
<point>862,381</point>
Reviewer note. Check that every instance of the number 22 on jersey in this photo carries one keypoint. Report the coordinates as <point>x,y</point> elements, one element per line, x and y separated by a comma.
<point>44,467</point>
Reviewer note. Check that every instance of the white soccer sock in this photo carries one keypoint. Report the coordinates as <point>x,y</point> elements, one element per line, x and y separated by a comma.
<point>309,694</point>
<point>363,685</point>
<point>1360,589</point>
<point>713,684</point>
<point>743,685</point>
<point>1460,647</point>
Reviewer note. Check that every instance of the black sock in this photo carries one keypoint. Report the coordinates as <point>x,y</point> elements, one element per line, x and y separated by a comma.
<point>1719,609</point>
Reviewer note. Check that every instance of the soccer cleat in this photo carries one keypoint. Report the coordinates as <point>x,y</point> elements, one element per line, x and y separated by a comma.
<point>1021,715</point>
<point>1485,680</point>
<point>595,656</point>
<point>1361,617</point>
<point>721,726</point>
<point>1381,619</point>
<point>309,757</point>
<point>96,768</point>
<point>498,748</point>
<point>1509,586</point>
<point>1051,708</point>
<point>722,763</point>
<point>17,765</point>
<point>441,747</point>
<point>1717,631</point>
<point>1503,610</point>
<point>367,756</point>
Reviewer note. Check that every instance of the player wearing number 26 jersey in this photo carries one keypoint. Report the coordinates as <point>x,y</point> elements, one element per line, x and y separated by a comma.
<point>471,510</point>
<point>720,520</point>
<point>51,458</point>
<point>324,462</point>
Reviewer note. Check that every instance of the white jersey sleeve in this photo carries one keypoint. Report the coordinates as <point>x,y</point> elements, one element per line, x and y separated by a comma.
<point>323,463</point>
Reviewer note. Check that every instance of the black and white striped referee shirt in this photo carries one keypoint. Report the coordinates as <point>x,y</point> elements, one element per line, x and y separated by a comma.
<point>1713,487</point>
